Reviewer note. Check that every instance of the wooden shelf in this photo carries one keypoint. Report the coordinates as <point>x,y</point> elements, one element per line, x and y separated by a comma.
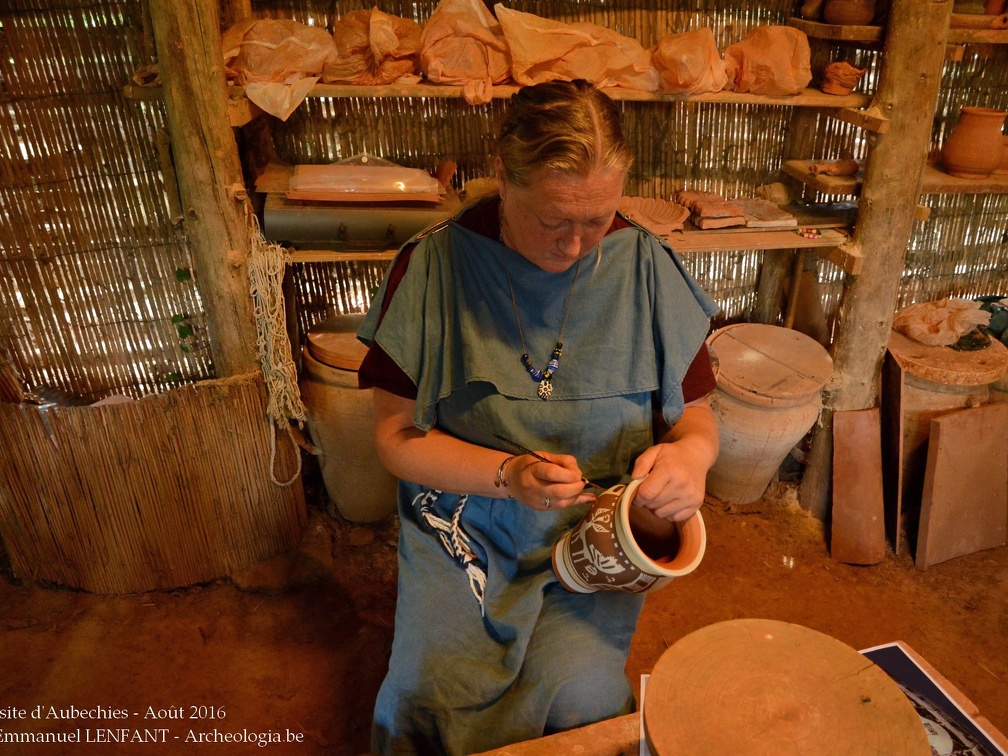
<point>809,98</point>
<point>978,36</point>
<point>801,170</point>
<point>969,28</point>
<point>837,32</point>
<point>329,255</point>
<point>727,239</point>
<point>937,181</point>
<point>872,36</point>
<point>831,244</point>
<point>241,110</point>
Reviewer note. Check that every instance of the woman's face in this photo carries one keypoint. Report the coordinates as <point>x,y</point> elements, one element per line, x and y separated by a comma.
<point>559,217</point>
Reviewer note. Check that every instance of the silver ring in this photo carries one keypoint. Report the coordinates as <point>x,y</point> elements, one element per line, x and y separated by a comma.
<point>546,503</point>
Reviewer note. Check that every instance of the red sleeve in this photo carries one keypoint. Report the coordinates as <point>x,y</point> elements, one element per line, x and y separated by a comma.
<point>377,369</point>
<point>699,380</point>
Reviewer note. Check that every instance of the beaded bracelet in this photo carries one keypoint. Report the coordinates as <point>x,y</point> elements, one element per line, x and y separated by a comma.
<point>500,482</point>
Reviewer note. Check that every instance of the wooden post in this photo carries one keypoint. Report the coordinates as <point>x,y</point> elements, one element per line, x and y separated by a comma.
<point>907,94</point>
<point>187,39</point>
<point>776,267</point>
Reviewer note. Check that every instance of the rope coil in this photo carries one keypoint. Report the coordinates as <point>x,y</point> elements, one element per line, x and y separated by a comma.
<point>266,266</point>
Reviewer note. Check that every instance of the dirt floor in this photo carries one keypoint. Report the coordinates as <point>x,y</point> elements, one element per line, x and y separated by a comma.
<point>298,646</point>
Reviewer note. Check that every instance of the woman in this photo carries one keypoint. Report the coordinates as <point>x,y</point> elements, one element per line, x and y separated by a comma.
<point>543,317</point>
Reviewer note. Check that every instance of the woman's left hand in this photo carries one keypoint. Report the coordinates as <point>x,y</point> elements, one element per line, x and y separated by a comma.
<point>674,471</point>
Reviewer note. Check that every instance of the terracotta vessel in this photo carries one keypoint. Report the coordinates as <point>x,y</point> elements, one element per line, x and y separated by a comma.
<point>840,77</point>
<point>768,396</point>
<point>849,12</point>
<point>341,422</point>
<point>975,147</point>
<point>620,547</point>
<point>1002,169</point>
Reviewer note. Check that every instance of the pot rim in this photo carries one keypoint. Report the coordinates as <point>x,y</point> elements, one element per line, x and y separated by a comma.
<point>982,111</point>
<point>692,536</point>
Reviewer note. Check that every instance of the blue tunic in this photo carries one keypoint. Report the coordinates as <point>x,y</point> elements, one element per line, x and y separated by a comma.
<point>489,649</point>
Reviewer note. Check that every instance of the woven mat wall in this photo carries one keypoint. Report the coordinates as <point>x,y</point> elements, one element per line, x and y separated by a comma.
<point>159,493</point>
<point>88,256</point>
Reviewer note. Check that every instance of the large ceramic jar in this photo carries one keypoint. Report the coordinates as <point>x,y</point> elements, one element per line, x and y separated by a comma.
<point>768,396</point>
<point>341,422</point>
<point>975,147</point>
<point>849,12</point>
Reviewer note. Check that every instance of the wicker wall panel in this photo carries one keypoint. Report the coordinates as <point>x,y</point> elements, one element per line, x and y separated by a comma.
<point>88,256</point>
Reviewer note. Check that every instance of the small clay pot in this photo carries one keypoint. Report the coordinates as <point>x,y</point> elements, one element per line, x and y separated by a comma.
<point>975,147</point>
<point>1002,170</point>
<point>620,547</point>
<point>840,77</point>
<point>849,12</point>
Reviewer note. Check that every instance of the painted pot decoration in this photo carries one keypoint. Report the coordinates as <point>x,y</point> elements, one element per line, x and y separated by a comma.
<point>849,12</point>
<point>975,147</point>
<point>620,547</point>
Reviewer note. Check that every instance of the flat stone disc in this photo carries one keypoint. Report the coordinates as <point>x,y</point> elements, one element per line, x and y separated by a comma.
<point>756,686</point>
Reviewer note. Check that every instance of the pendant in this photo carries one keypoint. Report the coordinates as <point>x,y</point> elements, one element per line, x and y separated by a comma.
<point>545,389</point>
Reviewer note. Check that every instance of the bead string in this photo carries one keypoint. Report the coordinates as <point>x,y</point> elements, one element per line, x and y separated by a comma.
<point>542,377</point>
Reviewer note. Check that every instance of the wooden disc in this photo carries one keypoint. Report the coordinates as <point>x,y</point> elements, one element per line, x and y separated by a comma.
<point>334,342</point>
<point>942,364</point>
<point>756,686</point>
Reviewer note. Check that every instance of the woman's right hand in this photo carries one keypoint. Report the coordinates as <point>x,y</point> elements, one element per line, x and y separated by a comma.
<point>444,462</point>
<point>540,485</point>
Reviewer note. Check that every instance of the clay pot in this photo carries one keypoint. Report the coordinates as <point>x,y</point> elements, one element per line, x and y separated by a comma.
<point>1002,170</point>
<point>975,147</point>
<point>341,422</point>
<point>840,77</point>
<point>768,396</point>
<point>620,547</point>
<point>849,12</point>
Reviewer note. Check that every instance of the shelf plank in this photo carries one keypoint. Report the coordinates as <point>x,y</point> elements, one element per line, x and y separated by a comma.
<point>978,36</point>
<point>730,239</point>
<point>837,32</point>
<point>241,111</point>
<point>870,36</point>
<point>937,181</point>
<point>329,255</point>
<point>809,97</point>
<point>869,120</point>
<point>800,169</point>
<point>972,28</point>
<point>830,244</point>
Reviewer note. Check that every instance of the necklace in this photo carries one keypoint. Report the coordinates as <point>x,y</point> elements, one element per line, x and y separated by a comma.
<point>543,377</point>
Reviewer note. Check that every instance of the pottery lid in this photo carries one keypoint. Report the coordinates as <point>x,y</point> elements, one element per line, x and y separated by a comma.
<point>334,342</point>
<point>942,364</point>
<point>768,364</point>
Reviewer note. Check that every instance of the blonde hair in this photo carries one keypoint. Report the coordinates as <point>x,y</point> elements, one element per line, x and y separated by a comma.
<point>570,126</point>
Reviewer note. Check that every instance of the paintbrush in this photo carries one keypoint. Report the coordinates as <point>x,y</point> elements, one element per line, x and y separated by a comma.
<point>540,457</point>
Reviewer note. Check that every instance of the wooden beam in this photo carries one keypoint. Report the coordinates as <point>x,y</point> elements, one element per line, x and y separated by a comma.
<point>211,186</point>
<point>907,93</point>
<point>869,120</point>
